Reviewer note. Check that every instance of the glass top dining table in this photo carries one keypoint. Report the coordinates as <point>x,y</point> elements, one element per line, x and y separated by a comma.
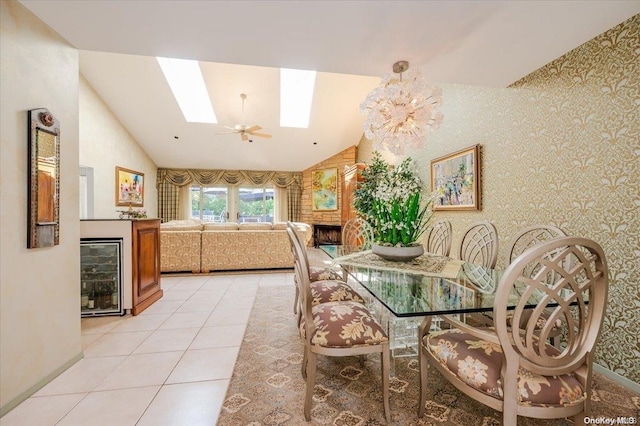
<point>410,293</point>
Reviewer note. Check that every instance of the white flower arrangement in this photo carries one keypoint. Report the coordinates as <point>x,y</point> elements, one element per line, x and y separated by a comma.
<point>391,200</point>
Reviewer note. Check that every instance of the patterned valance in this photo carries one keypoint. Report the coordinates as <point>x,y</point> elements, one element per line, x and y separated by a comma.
<point>180,177</point>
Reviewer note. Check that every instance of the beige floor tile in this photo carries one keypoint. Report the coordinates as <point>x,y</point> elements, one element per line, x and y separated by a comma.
<point>141,370</point>
<point>193,404</point>
<point>219,337</point>
<point>99,325</point>
<point>228,317</point>
<point>109,408</point>
<point>177,294</point>
<point>87,339</point>
<point>205,364</point>
<point>163,306</point>
<point>168,340</point>
<point>81,377</point>
<point>41,411</point>
<point>235,303</point>
<point>185,320</point>
<point>113,344</point>
<point>198,305</point>
<point>147,322</point>
<point>189,285</point>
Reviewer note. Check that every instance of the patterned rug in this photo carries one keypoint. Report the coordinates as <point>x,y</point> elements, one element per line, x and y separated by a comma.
<point>267,388</point>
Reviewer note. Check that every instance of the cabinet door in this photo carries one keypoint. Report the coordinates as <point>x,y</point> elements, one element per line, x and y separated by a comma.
<point>146,264</point>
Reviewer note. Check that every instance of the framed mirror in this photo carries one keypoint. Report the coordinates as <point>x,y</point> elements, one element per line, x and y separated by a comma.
<point>43,226</point>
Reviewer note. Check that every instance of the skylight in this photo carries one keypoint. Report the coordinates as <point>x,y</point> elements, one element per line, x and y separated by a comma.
<point>296,94</point>
<point>186,82</point>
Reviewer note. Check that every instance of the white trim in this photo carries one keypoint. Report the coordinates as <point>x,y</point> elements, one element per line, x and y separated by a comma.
<point>629,384</point>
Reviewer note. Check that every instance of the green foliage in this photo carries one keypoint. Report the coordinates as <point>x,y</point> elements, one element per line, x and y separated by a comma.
<point>391,200</point>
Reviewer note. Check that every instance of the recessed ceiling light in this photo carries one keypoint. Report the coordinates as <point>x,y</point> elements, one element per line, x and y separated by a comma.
<point>188,87</point>
<point>296,94</point>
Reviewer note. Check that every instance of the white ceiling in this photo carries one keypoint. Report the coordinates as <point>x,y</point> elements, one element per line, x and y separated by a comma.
<point>350,43</point>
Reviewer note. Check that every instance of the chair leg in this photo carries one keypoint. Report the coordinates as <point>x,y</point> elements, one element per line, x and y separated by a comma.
<point>295,301</point>
<point>303,369</point>
<point>385,382</point>
<point>311,383</point>
<point>423,365</point>
<point>578,419</point>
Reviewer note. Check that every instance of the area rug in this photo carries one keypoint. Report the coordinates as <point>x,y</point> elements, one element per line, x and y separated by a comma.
<point>267,388</point>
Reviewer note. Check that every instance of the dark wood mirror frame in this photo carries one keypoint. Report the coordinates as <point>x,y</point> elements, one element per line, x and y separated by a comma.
<point>43,228</point>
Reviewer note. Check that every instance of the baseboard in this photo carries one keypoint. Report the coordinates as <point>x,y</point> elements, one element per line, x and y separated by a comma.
<point>617,378</point>
<point>39,385</point>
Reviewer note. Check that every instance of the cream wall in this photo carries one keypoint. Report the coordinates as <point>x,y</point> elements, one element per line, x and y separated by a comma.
<point>561,147</point>
<point>104,144</point>
<point>39,298</point>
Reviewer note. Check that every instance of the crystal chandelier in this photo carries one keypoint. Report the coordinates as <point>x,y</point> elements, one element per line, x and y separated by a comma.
<point>400,111</point>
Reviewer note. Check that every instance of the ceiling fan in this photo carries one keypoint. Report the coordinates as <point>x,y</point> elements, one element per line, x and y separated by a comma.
<point>242,129</point>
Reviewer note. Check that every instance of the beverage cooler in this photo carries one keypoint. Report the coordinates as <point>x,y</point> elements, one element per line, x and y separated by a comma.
<point>101,276</point>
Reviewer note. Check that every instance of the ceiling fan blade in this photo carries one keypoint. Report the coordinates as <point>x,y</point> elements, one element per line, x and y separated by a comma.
<point>244,136</point>
<point>261,135</point>
<point>253,128</point>
<point>229,127</point>
<point>224,133</point>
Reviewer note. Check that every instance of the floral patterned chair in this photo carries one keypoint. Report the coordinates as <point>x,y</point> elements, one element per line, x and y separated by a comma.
<point>439,238</point>
<point>515,370</point>
<point>326,286</point>
<point>336,328</point>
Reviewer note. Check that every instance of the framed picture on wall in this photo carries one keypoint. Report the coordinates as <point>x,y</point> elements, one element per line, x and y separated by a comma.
<point>455,179</point>
<point>324,189</point>
<point>129,187</point>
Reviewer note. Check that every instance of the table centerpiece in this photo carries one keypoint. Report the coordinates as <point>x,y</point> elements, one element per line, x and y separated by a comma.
<point>392,200</point>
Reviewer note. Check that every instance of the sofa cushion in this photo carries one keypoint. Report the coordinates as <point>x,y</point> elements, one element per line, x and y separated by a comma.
<point>220,226</point>
<point>279,225</point>
<point>252,226</point>
<point>182,225</point>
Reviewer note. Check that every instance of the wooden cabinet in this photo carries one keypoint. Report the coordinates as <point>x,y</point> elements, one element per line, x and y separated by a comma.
<point>145,263</point>
<point>140,257</point>
<point>352,176</point>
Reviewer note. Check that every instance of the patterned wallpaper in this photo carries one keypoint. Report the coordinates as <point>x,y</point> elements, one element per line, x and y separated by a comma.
<point>561,146</point>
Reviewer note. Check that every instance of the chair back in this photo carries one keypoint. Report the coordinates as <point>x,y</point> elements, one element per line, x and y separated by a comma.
<point>301,269</point>
<point>529,237</point>
<point>479,245</point>
<point>439,238</point>
<point>357,233</point>
<point>565,270</point>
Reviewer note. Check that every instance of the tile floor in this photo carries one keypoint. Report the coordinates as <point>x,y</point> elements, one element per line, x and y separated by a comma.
<point>170,365</point>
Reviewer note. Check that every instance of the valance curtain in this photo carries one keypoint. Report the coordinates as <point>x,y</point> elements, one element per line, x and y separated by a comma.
<point>169,199</point>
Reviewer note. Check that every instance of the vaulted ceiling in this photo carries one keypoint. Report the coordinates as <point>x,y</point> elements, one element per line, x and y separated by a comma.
<point>242,44</point>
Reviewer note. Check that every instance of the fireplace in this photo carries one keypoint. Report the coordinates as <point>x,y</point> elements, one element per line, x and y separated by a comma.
<point>326,234</point>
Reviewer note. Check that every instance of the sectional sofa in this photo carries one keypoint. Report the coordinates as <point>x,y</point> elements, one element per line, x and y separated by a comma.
<point>195,246</point>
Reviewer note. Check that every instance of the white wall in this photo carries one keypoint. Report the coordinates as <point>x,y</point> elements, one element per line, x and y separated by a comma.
<point>39,288</point>
<point>104,144</point>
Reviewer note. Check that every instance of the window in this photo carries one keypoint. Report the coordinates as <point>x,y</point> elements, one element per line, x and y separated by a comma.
<point>209,203</point>
<point>238,204</point>
<point>255,204</point>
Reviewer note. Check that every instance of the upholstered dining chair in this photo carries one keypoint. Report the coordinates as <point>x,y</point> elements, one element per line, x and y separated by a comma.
<point>525,239</point>
<point>339,328</point>
<point>479,245</point>
<point>323,287</point>
<point>529,237</point>
<point>515,370</point>
<point>439,238</point>
<point>357,233</point>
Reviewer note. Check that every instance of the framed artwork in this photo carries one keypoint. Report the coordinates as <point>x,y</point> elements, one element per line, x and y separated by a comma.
<point>455,179</point>
<point>324,189</point>
<point>129,187</point>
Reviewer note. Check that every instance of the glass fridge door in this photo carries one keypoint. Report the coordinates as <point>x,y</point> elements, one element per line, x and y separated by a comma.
<point>100,276</point>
